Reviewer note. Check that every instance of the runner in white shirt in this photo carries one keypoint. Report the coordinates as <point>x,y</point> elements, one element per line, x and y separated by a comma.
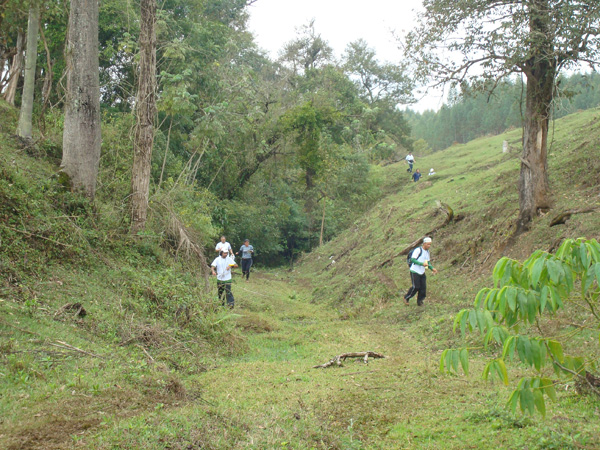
<point>224,245</point>
<point>420,260</point>
<point>221,267</point>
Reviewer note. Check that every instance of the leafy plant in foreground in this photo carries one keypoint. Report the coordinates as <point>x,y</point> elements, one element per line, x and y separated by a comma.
<point>509,318</point>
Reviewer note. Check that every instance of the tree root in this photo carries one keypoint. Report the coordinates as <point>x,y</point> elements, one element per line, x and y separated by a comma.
<point>566,215</point>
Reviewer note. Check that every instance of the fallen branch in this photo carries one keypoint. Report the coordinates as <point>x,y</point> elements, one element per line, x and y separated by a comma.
<point>28,234</point>
<point>339,358</point>
<point>71,347</point>
<point>145,352</point>
<point>564,216</point>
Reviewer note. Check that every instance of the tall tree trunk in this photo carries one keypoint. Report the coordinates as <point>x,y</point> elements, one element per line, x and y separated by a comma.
<point>81,133</point>
<point>24,127</point>
<point>15,70</point>
<point>146,113</point>
<point>534,188</point>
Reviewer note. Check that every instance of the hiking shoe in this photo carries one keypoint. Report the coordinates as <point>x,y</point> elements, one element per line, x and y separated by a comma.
<point>406,302</point>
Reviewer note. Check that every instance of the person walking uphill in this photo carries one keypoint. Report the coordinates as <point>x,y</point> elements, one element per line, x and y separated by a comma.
<point>247,251</point>
<point>419,259</point>
<point>221,267</point>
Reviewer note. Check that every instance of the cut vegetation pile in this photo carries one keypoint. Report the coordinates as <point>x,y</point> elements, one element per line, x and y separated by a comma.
<point>111,342</point>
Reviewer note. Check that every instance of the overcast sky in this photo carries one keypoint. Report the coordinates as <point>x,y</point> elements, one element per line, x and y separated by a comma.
<point>339,22</point>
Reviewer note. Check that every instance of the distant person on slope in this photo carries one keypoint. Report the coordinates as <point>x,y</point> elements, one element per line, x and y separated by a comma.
<point>221,267</point>
<point>247,251</point>
<point>410,160</point>
<point>420,261</point>
<point>431,171</point>
<point>417,175</point>
<point>224,245</point>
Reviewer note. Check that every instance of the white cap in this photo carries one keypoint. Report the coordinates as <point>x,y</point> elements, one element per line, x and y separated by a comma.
<point>427,239</point>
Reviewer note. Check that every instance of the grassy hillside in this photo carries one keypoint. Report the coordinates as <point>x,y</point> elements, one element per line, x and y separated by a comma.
<point>479,183</point>
<point>156,363</point>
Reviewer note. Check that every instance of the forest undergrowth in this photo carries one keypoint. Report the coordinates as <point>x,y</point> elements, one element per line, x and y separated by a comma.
<point>109,341</point>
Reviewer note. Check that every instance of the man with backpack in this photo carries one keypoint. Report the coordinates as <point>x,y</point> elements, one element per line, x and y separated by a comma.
<point>418,260</point>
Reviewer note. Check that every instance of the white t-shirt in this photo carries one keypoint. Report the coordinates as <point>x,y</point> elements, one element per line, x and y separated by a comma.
<point>223,246</point>
<point>410,158</point>
<point>423,256</point>
<point>223,268</point>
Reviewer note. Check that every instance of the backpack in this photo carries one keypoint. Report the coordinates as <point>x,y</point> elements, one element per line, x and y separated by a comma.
<point>409,256</point>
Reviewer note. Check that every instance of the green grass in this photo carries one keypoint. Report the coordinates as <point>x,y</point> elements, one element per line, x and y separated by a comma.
<point>136,373</point>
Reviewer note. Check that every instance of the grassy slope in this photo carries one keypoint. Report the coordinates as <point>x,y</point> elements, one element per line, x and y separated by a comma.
<point>226,381</point>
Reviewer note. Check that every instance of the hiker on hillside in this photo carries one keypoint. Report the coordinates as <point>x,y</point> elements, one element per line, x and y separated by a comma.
<point>410,160</point>
<point>224,245</point>
<point>431,171</point>
<point>417,175</point>
<point>221,267</point>
<point>419,259</point>
<point>247,251</point>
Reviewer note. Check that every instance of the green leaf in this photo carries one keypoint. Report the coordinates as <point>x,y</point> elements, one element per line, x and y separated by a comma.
<point>480,295</point>
<point>486,370</point>
<point>594,250</point>
<point>588,279</point>
<point>597,270</point>
<point>489,299</point>
<point>455,360</point>
<point>522,301</point>
<point>524,350</point>
<point>565,248</point>
<point>464,360</point>
<point>553,271</point>
<point>583,255</point>
<point>527,402</point>
<point>501,369</point>
<point>442,360</point>
<point>536,272</point>
<point>556,300</point>
<point>457,320</point>
<point>509,347</point>
<point>507,275</point>
<point>499,269</point>
<point>473,318</point>
<point>536,354</point>
<point>481,322</point>
<point>501,307</point>
<point>532,307</point>
<point>513,400</point>
<point>569,278</point>
<point>538,399</point>
<point>543,298</point>
<point>511,298</point>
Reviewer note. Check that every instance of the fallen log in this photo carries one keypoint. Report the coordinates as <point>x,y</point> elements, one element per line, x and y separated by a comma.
<point>566,215</point>
<point>339,358</point>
